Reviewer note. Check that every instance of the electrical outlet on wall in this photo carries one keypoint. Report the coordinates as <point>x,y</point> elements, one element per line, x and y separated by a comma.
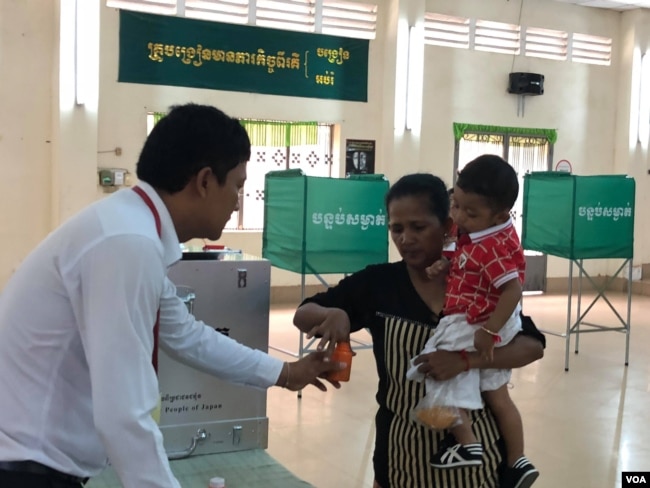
<point>113,177</point>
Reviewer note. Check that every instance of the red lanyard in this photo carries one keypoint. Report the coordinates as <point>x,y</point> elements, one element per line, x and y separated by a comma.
<point>156,327</point>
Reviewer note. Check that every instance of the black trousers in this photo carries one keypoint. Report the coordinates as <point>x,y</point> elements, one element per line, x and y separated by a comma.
<point>14,479</point>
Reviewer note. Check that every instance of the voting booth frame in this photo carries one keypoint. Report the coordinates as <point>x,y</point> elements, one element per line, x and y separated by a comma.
<point>581,218</point>
<point>317,225</point>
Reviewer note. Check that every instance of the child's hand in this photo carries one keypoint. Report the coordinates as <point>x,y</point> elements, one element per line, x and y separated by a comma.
<point>440,267</point>
<point>484,344</point>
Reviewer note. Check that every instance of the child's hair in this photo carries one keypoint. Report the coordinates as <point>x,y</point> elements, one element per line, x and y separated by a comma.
<point>493,178</point>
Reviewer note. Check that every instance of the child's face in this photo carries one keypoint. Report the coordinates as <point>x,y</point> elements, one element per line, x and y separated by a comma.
<point>473,214</point>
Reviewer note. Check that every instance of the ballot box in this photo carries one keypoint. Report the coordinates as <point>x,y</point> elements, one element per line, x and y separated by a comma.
<point>201,414</point>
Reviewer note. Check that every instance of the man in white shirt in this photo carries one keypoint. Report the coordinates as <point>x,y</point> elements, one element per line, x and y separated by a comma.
<point>81,318</point>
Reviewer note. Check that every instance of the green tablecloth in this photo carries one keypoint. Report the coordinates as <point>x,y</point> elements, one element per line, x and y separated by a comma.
<point>243,469</point>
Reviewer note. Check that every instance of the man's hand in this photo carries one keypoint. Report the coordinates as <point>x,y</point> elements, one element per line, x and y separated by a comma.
<point>307,371</point>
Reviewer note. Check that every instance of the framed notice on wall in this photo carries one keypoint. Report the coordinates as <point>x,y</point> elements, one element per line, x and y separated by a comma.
<point>359,156</point>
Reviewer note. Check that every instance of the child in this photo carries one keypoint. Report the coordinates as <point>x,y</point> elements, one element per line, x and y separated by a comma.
<point>482,311</point>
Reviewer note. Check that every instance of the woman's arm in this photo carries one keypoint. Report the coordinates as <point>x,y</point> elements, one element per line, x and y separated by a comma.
<point>444,365</point>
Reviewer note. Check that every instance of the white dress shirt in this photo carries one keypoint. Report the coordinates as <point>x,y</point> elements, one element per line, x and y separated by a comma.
<point>77,386</point>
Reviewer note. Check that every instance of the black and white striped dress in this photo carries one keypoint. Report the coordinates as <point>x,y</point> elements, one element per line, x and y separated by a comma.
<point>382,299</point>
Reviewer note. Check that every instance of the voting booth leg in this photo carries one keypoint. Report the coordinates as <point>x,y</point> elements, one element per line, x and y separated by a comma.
<point>629,312</point>
<point>574,327</point>
<point>567,336</point>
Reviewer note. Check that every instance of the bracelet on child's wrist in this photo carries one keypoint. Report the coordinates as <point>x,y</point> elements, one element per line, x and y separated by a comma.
<point>495,335</point>
<point>464,357</point>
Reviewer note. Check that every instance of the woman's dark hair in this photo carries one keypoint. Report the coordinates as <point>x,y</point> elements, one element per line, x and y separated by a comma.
<point>493,178</point>
<point>422,185</point>
<point>187,140</point>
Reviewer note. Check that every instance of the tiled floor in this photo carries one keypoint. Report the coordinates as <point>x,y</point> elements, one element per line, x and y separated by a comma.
<point>582,427</point>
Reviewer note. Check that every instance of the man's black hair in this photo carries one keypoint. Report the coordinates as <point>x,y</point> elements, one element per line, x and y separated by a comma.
<point>493,178</point>
<point>422,185</point>
<point>187,140</point>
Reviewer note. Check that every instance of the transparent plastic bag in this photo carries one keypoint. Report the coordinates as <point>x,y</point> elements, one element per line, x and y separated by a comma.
<point>434,411</point>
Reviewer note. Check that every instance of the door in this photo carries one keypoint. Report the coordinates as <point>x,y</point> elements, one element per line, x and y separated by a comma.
<point>525,154</point>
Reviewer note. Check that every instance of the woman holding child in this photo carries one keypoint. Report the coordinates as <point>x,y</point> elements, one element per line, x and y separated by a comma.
<point>401,306</point>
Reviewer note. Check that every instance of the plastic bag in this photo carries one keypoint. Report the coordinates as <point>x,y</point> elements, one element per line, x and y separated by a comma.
<point>434,412</point>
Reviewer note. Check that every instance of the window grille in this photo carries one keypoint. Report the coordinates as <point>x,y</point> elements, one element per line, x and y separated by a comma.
<point>484,35</point>
<point>297,15</point>
<point>306,146</point>
<point>445,30</point>
<point>229,11</point>
<point>546,43</point>
<point>497,37</point>
<point>591,49</point>
<point>349,19</point>
<point>163,7</point>
<point>333,17</point>
<point>275,145</point>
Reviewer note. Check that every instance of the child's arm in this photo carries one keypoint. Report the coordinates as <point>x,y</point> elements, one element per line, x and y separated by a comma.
<point>438,268</point>
<point>510,295</point>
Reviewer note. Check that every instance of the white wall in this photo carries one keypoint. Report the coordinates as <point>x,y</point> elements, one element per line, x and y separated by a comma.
<point>46,182</point>
<point>27,47</point>
<point>633,157</point>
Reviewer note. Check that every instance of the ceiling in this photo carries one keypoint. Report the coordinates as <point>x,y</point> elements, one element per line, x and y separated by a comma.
<point>611,4</point>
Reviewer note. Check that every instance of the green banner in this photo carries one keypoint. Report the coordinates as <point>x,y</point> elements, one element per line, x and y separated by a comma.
<point>163,50</point>
<point>579,217</point>
<point>316,225</point>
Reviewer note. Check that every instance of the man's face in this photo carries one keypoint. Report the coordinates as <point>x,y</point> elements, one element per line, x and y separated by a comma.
<point>224,200</point>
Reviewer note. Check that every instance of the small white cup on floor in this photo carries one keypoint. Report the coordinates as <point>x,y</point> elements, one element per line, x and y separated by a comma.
<point>217,482</point>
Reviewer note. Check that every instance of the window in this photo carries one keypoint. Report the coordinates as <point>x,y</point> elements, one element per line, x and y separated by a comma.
<point>333,17</point>
<point>445,30</point>
<point>484,35</point>
<point>275,146</point>
<point>229,11</point>
<point>525,154</point>
<point>497,37</point>
<point>546,43</point>
<point>591,49</point>
<point>286,14</point>
<point>162,7</point>
<point>349,19</point>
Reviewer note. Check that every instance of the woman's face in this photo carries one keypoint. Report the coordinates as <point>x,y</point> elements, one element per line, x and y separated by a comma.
<point>416,232</point>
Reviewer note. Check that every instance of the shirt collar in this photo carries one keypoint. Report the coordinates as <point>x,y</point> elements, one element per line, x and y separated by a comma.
<point>482,234</point>
<point>168,237</point>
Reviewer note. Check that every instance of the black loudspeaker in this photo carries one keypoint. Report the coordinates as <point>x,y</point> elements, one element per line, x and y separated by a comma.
<point>526,84</point>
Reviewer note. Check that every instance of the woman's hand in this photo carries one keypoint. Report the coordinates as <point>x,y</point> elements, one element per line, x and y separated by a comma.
<point>484,344</point>
<point>441,365</point>
<point>334,328</point>
<point>307,371</point>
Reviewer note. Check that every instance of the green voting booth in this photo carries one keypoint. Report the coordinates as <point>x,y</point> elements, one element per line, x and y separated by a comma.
<point>316,225</point>
<point>578,218</point>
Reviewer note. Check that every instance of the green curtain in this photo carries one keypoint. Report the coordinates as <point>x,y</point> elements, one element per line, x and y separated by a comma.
<point>280,134</point>
<point>271,133</point>
<point>460,129</point>
<point>157,116</point>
